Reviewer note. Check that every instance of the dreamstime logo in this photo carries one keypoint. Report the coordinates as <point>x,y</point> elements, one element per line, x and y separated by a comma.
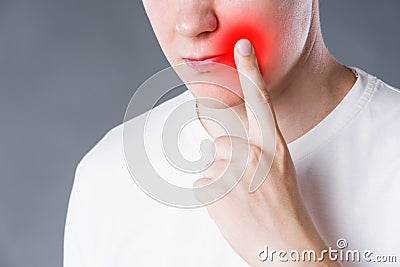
<point>341,254</point>
<point>151,140</point>
<point>341,243</point>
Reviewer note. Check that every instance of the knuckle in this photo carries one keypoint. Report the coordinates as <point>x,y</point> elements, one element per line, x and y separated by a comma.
<point>251,65</point>
<point>259,92</point>
<point>221,141</point>
<point>219,164</point>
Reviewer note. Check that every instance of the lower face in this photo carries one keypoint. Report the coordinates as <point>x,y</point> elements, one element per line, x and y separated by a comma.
<point>278,30</point>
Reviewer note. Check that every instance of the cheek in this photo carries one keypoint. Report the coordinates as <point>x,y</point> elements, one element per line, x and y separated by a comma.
<point>257,30</point>
<point>163,24</point>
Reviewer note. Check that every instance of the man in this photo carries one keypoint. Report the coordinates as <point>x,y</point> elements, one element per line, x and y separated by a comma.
<point>334,174</point>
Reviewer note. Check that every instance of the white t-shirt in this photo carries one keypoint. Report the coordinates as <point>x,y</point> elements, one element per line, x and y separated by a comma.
<point>348,168</point>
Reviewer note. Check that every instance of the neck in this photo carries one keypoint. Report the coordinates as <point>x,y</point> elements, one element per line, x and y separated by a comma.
<point>311,90</point>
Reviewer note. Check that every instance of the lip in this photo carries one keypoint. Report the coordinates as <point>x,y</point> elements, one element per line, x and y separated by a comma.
<point>203,64</point>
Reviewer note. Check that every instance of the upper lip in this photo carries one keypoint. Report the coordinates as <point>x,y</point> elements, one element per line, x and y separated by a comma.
<point>204,58</point>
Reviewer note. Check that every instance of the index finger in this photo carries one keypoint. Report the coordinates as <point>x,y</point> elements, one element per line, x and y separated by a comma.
<point>261,123</point>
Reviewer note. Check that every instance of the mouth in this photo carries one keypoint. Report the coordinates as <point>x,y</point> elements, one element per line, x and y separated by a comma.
<point>203,64</point>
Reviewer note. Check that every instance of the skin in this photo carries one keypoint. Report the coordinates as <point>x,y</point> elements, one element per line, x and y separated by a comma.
<point>300,82</point>
<point>274,214</point>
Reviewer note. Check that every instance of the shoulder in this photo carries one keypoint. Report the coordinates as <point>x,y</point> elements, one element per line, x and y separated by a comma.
<point>375,132</point>
<point>103,172</point>
<point>104,200</point>
<point>386,96</point>
<point>384,104</point>
<point>108,153</point>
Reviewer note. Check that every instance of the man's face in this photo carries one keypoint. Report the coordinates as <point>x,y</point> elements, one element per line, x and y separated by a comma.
<point>200,32</point>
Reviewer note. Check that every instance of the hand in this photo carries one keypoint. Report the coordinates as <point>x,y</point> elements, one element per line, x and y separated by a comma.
<point>265,208</point>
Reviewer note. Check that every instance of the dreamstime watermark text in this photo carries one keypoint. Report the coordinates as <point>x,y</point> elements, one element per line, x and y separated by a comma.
<point>340,253</point>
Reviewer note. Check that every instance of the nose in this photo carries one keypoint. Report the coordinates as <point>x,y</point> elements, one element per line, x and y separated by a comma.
<point>195,17</point>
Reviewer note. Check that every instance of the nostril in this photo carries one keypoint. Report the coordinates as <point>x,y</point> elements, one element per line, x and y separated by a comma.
<point>196,24</point>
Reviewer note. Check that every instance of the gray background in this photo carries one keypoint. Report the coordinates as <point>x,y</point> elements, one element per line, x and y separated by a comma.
<point>67,71</point>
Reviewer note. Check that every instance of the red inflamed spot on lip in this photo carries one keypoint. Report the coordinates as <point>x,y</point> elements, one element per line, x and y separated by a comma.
<point>259,37</point>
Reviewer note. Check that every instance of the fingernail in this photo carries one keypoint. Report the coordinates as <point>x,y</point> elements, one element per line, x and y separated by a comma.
<point>244,47</point>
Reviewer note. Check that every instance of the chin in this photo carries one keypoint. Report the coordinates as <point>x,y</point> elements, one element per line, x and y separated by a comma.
<point>215,96</point>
